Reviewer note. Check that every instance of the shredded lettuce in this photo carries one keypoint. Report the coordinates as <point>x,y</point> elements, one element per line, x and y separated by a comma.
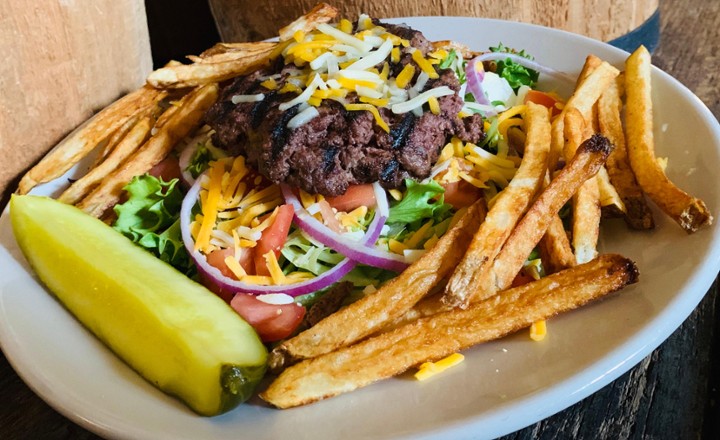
<point>421,201</point>
<point>302,254</point>
<point>515,74</point>
<point>151,218</point>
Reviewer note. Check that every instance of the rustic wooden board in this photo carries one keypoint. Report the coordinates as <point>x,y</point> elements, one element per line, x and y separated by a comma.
<point>248,20</point>
<point>61,61</point>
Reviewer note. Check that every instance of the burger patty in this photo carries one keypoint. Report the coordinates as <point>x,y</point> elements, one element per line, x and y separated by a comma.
<point>338,148</point>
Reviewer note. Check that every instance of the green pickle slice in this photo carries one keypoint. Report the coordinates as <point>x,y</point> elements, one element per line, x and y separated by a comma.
<point>174,332</point>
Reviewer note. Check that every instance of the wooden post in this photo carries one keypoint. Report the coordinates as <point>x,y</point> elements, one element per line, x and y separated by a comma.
<point>247,20</point>
<point>61,61</point>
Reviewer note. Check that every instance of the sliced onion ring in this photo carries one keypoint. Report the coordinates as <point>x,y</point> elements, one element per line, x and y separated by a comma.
<point>360,252</point>
<point>227,285</point>
<point>474,82</point>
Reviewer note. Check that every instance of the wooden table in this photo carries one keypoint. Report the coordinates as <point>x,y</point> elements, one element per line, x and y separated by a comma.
<point>672,394</point>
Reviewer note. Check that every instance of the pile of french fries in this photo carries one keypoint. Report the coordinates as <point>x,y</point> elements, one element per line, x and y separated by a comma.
<point>459,293</point>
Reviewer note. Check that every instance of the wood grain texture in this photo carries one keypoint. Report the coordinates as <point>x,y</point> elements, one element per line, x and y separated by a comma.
<point>247,20</point>
<point>672,394</point>
<point>63,60</point>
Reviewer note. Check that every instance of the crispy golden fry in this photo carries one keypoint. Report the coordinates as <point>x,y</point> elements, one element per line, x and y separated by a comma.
<point>510,205</point>
<point>375,311</point>
<point>588,159</point>
<point>191,109</point>
<point>321,13</point>
<point>127,146</point>
<point>112,141</point>
<point>86,137</point>
<point>586,202</point>
<point>435,337</point>
<point>637,212</point>
<point>688,211</point>
<point>583,99</point>
<point>231,51</point>
<point>555,251</point>
<point>610,201</point>
<point>191,75</point>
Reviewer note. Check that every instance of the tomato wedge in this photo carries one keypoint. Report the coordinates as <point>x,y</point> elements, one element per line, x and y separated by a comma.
<point>273,238</point>
<point>355,197</point>
<point>217,258</point>
<point>271,321</point>
<point>544,99</point>
<point>460,194</point>
<point>167,169</point>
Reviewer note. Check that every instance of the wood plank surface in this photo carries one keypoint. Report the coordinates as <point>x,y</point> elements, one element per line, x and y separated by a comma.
<point>248,20</point>
<point>61,61</point>
<point>672,394</point>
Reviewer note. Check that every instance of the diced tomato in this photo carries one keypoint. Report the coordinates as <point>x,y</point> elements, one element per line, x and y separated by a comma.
<point>460,194</point>
<point>544,99</point>
<point>522,278</point>
<point>273,238</point>
<point>355,197</point>
<point>167,169</point>
<point>328,216</point>
<point>272,322</point>
<point>217,257</point>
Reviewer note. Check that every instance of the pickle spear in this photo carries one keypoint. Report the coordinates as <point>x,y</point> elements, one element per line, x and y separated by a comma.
<point>175,333</point>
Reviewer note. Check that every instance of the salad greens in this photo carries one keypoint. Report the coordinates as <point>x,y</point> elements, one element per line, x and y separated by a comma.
<point>421,201</point>
<point>515,74</point>
<point>151,218</point>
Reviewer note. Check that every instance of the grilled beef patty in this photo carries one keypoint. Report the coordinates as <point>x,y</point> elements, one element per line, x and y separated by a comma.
<point>338,148</point>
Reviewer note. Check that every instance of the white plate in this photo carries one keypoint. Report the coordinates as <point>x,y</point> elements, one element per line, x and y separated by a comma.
<point>501,387</point>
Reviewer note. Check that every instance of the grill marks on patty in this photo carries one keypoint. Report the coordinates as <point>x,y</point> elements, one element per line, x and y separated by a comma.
<point>338,148</point>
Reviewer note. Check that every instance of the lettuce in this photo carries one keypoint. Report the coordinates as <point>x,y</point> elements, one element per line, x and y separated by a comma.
<point>151,218</point>
<point>421,201</point>
<point>304,255</point>
<point>515,74</point>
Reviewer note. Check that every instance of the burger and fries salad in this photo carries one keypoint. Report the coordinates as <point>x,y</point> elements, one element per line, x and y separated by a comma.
<point>370,201</point>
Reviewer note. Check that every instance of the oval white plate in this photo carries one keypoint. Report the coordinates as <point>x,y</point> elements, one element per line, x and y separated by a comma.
<point>501,387</point>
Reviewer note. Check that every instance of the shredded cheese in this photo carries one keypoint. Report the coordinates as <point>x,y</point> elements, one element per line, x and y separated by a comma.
<point>430,369</point>
<point>538,330</point>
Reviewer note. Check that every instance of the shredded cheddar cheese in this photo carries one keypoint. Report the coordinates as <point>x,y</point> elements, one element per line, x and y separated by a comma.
<point>430,369</point>
<point>538,330</point>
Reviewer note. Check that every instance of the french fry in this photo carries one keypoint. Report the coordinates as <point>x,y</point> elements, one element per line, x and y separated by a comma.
<point>435,337</point>
<point>555,251</point>
<point>191,109</point>
<point>510,205</point>
<point>84,139</point>
<point>222,52</point>
<point>688,211</point>
<point>637,212</point>
<point>106,147</point>
<point>588,159</point>
<point>128,145</point>
<point>391,301</point>
<point>583,99</point>
<point>197,74</point>
<point>321,13</point>
<point>586,202</point>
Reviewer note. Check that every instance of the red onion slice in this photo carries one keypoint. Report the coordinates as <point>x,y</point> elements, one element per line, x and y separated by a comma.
<point>357,251</point>
<point>474,82</point>
<point>225,285</point>
<point>184,160</point>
